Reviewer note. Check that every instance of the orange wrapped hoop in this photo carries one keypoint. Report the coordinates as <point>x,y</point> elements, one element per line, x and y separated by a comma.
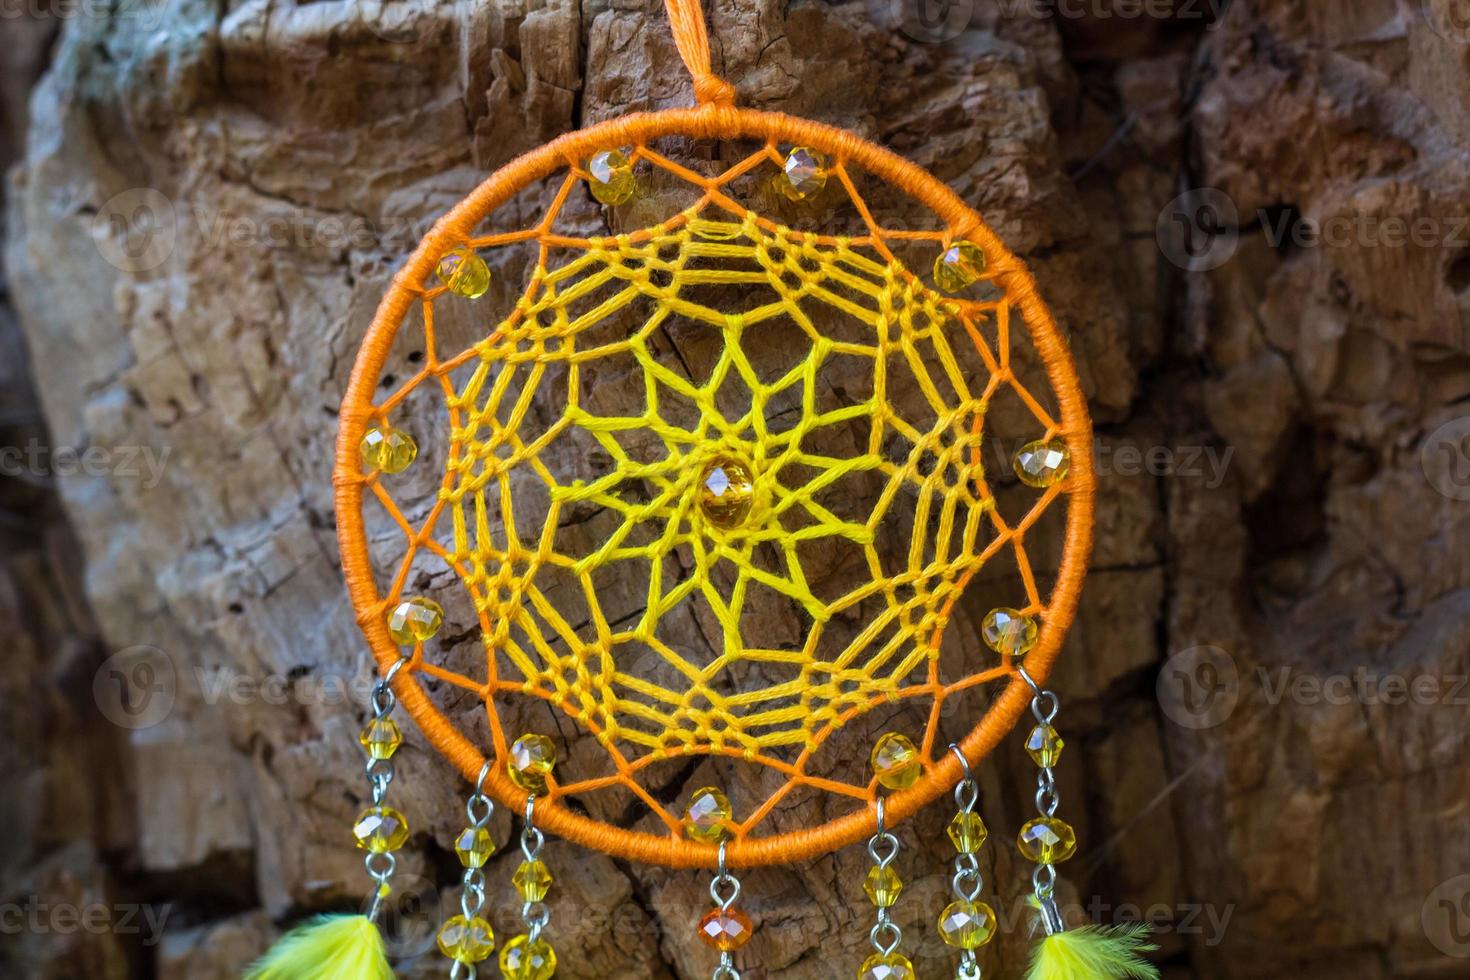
<point>715,118</point>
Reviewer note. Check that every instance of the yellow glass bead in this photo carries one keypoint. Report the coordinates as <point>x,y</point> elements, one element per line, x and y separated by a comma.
<point>1045,746</point>
<point>533,880</point>
<point>474,845</point>
<point>804,174</point>
<point>381,738</point>
<point>708,817</point>
<point>883,886</point>
<point>467,940</point>
<point>726,492</point>
<point>387,449</point>
<point>1007,631</point>
<point>1047,840</point>
<point>530,762</point>
<point>886,966</point>
<point>522,959</point>
<point>415,620</point>
<point>465,273</point>
<point>1042,463</point>
<point>896,762</point>
<point>968,833</point>
<point>380,829</point>
<point>967,925</point>
<point>959,267</point>
<point>612,180</point>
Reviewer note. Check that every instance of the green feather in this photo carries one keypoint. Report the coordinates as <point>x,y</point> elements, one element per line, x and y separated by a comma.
<point>1095,953</point>
<point>332,947</point>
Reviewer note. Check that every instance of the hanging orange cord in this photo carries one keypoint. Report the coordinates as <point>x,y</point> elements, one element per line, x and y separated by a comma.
<point>866,263</point>
<point>686,21</point>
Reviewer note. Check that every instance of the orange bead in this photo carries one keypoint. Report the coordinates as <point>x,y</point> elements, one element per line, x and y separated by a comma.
<point>725,930</point>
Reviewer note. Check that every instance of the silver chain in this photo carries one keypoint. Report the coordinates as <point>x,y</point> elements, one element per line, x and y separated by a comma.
<point>535,914</point>
<point>968,882</point>
<point>479,808</point>
<point>724,888</point>
<point>1044,707</point>
<point>380,867</point>
<point>883,849</point>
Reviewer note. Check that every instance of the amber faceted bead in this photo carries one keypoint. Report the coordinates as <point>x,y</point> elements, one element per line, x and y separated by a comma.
<point>725,930</point>
<point>531,760</point>
<point>896,762</point>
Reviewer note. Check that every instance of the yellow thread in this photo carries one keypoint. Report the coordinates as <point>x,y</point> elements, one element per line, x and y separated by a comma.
<point>665,270</point>
<point>506,567</point>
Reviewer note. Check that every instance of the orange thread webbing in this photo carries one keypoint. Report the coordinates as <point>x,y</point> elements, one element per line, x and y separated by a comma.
<point>714,119</point>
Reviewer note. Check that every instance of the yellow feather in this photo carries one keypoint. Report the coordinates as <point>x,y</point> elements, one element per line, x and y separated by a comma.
<point>332,947</point>
<point>1095,953</point>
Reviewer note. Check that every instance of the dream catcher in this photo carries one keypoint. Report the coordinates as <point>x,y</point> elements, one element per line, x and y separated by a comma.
<point>767,549</point>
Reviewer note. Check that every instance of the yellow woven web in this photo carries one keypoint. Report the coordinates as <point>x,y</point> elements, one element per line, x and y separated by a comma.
<point>541,598</point>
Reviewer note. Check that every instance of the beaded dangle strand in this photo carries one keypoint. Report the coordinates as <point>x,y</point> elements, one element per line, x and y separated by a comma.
<point>381,830</point>
<point>883,886</point>
<point>528,956</point>
<point>353,945</point>
<point>967,923</point>
<point>1091,952</point>
<point>725,928</point>
<point>468,938</point>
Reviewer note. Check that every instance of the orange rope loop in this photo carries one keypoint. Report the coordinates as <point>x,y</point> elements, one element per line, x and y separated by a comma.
<point>686,20</point>
<point>532,649</point>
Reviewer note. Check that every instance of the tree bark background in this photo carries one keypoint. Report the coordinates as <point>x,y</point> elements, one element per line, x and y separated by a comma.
<point>1282,445</point>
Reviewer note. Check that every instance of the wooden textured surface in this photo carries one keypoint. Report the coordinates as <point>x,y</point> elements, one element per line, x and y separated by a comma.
<point>1275,479</point>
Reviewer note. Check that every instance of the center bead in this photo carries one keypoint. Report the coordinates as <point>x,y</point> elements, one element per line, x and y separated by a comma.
<point>726,492</point>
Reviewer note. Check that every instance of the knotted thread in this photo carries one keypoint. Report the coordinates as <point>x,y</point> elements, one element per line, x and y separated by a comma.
<point>686,20</point>
<point>414,285</point>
